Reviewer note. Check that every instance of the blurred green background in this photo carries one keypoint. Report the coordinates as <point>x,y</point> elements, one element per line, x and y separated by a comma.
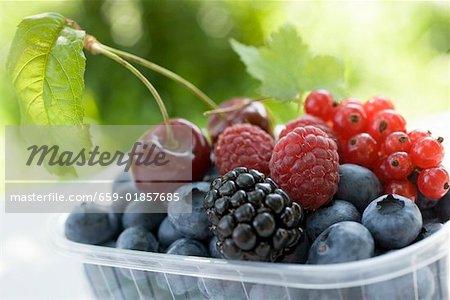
<point>398,49</point>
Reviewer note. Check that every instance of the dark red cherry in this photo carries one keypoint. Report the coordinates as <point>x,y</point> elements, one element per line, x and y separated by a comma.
<point>167,164</point>
<point>247,111</point>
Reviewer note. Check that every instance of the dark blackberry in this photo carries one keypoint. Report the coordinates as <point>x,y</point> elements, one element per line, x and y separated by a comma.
<point>252,218</point>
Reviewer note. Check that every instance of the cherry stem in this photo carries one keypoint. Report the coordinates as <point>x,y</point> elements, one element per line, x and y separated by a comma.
<point>228,109</point>
<point>91,44</point>
<point>159,69</point>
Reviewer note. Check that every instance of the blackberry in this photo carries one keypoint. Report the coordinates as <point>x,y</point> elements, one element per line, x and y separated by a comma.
<point>252,218</point>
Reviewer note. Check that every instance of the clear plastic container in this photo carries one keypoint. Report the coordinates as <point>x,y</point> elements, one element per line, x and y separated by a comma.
<point>420,271</point>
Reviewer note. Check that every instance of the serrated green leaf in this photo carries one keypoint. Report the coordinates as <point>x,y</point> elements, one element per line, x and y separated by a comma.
<point>46,64</point>
<point>286,67</point>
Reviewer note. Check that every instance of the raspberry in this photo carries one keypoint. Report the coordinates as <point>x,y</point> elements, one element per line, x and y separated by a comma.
<point>361,149</point>
<point>306,120</point>
<point>384,123</point>
<point>243,145</point>
<point>319,103</point>
<point>305,164</point>
<point>433,183</point>
<point>399,165</point>
<point>417,135</point>
<point>427,152</point>
<point>397,142</point>
<point>349,120</point>
<point>377,104</point>
<point>403,188</point>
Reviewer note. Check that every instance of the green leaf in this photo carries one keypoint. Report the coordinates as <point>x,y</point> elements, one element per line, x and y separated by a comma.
<point>286,67</point>
<point>46,64</point>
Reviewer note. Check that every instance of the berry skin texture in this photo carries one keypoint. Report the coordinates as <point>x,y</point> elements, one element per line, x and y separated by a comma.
<point>377,104</point>
<point>358,185</point>
<point>394,221</point>
<point>403,188</point>
<point>139,213</point>
<point>243,145</point>
<point>384,123</point>
<point>305,164</point>
<point>349,120</point>
<point>361,149</point>
<point>433,183</point>
<point>442,209</point>
<point>319,103</point>
<point>305,120</point>
<point>342,242</point>
<point>417,135</point>
<point>427,152</point>
<point>251,217</point>
<point>167,234</point>
<point>399,165</point>
<point>137,238</point>
<point>397,142</point>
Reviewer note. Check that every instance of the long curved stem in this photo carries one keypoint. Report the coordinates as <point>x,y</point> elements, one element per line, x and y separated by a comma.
<point>159,69</point>
<point>99,48</point>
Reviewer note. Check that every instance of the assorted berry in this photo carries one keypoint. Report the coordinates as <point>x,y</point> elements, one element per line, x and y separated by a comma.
<point>320,104</point>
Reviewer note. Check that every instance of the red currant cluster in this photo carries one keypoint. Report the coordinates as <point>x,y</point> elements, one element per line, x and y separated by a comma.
<point>374,135</point>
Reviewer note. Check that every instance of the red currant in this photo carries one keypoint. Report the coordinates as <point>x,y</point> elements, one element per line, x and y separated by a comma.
<point>319,103</point>
<point>361,149</point>
<point>417,135</point>
<point>376,104</point>
<point>349,120</point>
<point>384,123</point>
<point>351,101</point>
<point>427,152</point>
<point>380,170</point>
<point>399,165</point>
<point>433,183</point>
<point>403,188</point>
<point>396,142</point>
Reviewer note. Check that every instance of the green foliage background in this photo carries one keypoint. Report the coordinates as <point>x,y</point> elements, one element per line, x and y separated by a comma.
<point>399,49</point>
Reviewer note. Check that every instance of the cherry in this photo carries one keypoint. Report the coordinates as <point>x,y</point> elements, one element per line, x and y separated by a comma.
<point>403,188</point>
<point>396,142</point>
<point>376,104</point>
<point>242,110</point>
<point>319,103</point>
<point>399,165</point>
<point>417,135</point>
<point>188,156</point>
<point>433,183</point>
<point>349,120</point>
<point>427,152</point>
<point>361,149</point>
<point>384,123</point>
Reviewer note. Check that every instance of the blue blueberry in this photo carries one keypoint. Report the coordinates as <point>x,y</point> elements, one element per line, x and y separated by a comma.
<point>179,284</point>
<point>428,229</point>
<point>342,242</point>
<point>167,234</point>
<point>394,221</point>
<point>442,209</point>
<point>139,213</point>
<point>125,188</point>
<point>90,224</point>
<point>337,211</point>
<point>221,289</point>
<point>424,203</point>
<point>300,253</point>
<point>358,186</point>
<point>429,216</point>
<point>193,224</point>
<point>213,249</point>
<point>422,286</point>
<point>137,238</point>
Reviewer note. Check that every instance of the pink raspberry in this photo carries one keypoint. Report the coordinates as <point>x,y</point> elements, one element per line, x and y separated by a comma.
<point>305,164</point>
<point>243,145</point>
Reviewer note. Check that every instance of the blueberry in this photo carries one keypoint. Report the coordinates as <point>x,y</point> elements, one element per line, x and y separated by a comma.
<point>424,203</point>
<point>167,234</point>
<point>193,224</point>
<point>324,217</point>
<point>221,289</point>
<point>358,185</point>
<point>300,253</point>
<point>213,249</point>
<point>442,209</point>
<point>90,224</point>
<point>428,229</point>
<point>139,213</point>
<point>137,238</point>
<point>342,242</point>
<point>429,216</point>
<point>394,221</point>
<point>422,286</point>
<point>179,284</point>
<point>124,187</point>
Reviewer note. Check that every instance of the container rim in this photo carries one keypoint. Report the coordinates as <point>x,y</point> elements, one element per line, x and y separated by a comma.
<point>384,267</point>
